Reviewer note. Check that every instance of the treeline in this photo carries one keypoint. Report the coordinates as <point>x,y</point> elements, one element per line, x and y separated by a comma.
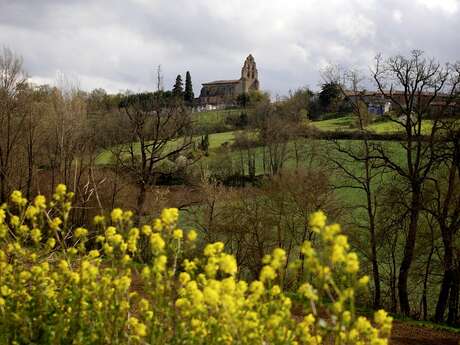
<point>54,134</point>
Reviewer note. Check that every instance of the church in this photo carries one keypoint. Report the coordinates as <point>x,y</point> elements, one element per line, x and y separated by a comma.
<point>225,92</point>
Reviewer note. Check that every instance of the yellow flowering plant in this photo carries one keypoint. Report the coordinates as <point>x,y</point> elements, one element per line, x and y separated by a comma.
<point>72,285</point>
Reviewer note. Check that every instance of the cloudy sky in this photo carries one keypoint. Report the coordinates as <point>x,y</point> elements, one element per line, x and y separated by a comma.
<point>117,44</point>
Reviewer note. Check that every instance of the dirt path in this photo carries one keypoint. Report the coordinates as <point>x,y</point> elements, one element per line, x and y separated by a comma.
<point>405,334</point>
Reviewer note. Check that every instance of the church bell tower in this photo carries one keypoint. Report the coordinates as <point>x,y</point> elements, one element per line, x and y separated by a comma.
<point>249,74</point>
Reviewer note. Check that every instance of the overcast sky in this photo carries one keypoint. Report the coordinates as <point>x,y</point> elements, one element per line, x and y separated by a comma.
<point>117,44</point>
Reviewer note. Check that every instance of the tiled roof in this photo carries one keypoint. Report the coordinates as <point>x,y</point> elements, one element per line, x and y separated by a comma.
<point>235,81</point>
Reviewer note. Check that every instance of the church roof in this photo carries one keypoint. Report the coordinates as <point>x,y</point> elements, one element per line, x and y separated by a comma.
<point>234,81</point>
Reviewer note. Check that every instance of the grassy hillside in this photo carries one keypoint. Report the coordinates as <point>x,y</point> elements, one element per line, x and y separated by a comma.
<point>214,121</point>
<point>210,118</point>
<point>347,123</point>
<point>340,123</point>
<point>213,117</point>
<point>215,141</point>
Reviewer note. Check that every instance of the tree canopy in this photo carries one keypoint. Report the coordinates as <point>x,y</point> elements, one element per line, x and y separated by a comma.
<point>188,93</point>
<point>178,88</point>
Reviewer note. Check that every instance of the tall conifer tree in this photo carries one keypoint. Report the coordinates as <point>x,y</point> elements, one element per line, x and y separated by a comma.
<point>188,94</point>
<point>178,88</point>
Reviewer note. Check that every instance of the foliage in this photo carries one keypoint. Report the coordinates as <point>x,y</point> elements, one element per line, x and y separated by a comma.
<point>237,121</point>
<point>252,98</point>
<point>178,88</point>
<point>242,100</point>
<point>329,96</point>
<point>296,107</point>
<point>147,100</point>
<point>61,284</point>
<point>214,121</point>
<point>204,144</point>
<point>99,102</point>
<point>188,92</point>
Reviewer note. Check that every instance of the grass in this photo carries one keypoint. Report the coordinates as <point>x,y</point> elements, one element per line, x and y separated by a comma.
<point>306,149</point>
<point>215,120</point>
<point>340,123</point>
<point>427,324</point>
<point>213,117</point>
<point>347,123</point>
<point>215,141</point>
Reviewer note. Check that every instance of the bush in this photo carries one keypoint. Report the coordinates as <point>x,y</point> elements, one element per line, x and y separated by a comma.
<point>65,285</point>
<point>237,120</point>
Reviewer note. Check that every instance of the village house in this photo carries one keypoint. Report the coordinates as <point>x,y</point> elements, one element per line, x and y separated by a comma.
<point>379,104</point>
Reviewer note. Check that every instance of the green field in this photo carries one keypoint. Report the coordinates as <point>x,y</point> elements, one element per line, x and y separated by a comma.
<point>215,141</point>
<point>340,123</point>
<point>311,153</point>
<point>213,117</point>
<point>347,123</point>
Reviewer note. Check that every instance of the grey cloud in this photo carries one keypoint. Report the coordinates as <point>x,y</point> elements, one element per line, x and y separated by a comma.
<point>118,44</point>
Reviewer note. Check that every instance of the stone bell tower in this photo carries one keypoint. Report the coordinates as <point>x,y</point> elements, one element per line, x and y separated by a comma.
<point>249,75</point>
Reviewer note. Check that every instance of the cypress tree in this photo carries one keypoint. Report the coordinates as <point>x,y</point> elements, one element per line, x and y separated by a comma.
<point>188,94</point>
<point>204,144</point>
<point>178,89</point>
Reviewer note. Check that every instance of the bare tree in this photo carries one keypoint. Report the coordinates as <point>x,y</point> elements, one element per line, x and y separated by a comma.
<point>159,131</point>
<point>442,202</point>
<point>36,107</point>
<point>12,83</point>
<point>360,170</point>
<point>245,144</point>
<point>275,133</point>
<point>412,84</point>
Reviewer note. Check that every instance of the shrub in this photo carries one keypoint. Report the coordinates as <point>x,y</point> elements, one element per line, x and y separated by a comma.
<point>66,285</point>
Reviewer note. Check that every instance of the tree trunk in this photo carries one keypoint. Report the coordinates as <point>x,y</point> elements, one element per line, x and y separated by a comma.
<point>30,166</point>
<point>375,270</point>
<point>424,303</point>
<point>409,251</point>
<point>141,199</point>
<point>371,215</point>
<point>452,315</point>
<point>3,196</point>
<point>393,294</point>
<point>375,266</point>
<point>447,278</point>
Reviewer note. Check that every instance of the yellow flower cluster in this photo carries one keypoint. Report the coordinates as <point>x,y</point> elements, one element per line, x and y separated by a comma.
<point>147,286</point>
<point>336,269</point>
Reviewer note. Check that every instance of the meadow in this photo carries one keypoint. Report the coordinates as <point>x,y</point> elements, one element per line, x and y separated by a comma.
<point>209,119</point>
<point>348,123</point>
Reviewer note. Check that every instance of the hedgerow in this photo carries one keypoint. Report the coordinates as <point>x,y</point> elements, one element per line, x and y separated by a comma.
<point>66,285</point>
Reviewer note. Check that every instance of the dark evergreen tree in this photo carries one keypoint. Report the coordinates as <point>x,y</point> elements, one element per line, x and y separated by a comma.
<point>243,100</point>
<point>329,96</point>
<point>178,88</point>
<point>188,94</point>
<point>204,144</point>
